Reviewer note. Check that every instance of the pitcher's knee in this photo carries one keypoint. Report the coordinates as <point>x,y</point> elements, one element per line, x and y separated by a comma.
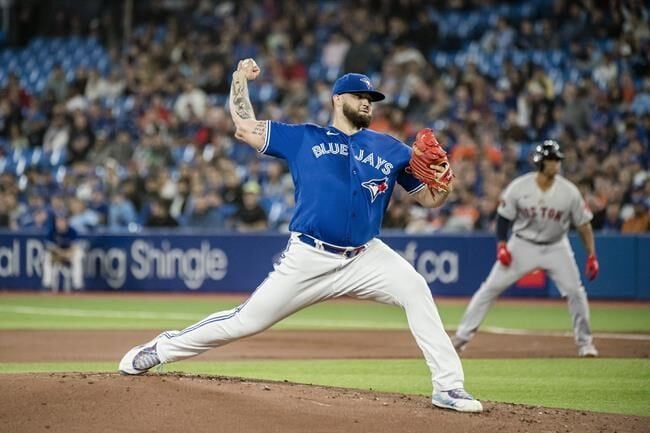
<point>414,288</point>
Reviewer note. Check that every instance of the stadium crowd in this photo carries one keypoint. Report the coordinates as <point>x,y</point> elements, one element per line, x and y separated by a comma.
<point>147,142</point>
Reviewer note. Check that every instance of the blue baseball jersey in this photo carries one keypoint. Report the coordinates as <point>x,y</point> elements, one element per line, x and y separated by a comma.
<point>343,183</point>
<point>61,239</point>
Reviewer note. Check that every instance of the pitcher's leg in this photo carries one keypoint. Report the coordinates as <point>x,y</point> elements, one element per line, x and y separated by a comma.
<point>301,279</point>
<point>383,275</point>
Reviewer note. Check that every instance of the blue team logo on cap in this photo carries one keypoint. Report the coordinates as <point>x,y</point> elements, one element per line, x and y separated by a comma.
<point>356,83</point>
<point>376,187</point>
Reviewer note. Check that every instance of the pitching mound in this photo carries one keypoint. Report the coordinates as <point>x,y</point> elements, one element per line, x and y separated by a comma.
<point>88,403</point>
<point>100,403</point>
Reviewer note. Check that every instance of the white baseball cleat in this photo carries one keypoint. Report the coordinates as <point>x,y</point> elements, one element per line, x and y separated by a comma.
<point>141,358</point>
<point>588,351</point>
<point>456,399</point>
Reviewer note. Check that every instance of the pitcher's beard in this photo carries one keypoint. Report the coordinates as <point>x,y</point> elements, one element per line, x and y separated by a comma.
<point>358,120</point>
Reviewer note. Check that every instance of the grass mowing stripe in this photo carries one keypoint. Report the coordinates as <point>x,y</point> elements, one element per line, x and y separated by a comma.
<point>292,322</point>
<point>119,313</point>
<point>178,313</point>
<point>601,385</point>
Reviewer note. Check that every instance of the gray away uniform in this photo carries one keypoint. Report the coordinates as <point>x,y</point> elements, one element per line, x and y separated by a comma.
<point>539,240</point>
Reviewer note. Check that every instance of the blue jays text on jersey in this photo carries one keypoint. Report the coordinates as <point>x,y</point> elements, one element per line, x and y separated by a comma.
<point>333,148</point>
<point>343,182</point>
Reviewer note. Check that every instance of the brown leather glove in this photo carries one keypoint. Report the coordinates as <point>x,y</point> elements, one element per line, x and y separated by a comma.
<point>427,152</point>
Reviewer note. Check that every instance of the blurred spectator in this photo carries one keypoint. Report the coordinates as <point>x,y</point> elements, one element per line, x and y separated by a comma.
<point>250,216</point>
<point>82,138</point>
<point>122,214</point>
<point>57,135</point>
<point>121,148</point>
<point>363,55</point>
<point>639,222</point>
<point>35,123</point>
<point>612,221</point>
<point>16,138</point>
<point>34,215</point>
<point>192,102</point>
<point>204,212</point>
<point>179,204</point>
<point>97,86</point>
<point>4,210</point>
<point>99,204</point>
<point>159,215</point>
<point>82,219</point>
<point>57,84</point>
<point>333,54</point>
<point>215,82</point>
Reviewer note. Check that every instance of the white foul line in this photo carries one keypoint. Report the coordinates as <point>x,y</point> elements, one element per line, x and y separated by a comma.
<point>614,335</point>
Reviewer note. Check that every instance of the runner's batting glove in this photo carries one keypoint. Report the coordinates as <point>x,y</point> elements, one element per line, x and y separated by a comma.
<point>592,267</point>
<point>503,255</point>
<point>427,152</point>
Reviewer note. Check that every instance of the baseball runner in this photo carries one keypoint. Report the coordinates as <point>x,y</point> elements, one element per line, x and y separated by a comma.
<point>540,206</point>
<point>62,251</point>
<point>344,175</point>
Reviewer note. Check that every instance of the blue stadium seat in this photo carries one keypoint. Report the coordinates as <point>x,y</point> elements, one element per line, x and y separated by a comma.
<point>57,158</point>
<point>37,43</point>
<point>460,58</point>
<point>60,173</point>
<point>36,157</point>
<point>21,165</point>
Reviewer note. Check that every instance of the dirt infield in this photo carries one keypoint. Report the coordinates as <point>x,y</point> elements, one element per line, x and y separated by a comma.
<point>43,346</point>
<point>91,403</point>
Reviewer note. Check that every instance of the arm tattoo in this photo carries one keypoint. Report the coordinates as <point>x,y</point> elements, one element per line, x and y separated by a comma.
<point>240,103</point>
<point>260,129</point>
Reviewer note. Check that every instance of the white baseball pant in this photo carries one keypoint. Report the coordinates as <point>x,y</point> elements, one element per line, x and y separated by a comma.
<point>306,275</point>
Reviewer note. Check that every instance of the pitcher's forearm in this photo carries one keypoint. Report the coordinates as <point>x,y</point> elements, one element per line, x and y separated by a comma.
<point>240,104</point>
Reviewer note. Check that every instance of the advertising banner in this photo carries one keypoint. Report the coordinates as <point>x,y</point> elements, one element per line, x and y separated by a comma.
<point>452,265</point>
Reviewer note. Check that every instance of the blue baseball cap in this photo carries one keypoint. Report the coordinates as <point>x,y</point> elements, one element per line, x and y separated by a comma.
<point>356,83</point>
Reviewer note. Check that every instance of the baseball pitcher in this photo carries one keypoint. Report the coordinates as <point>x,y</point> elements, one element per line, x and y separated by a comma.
<point>540,206</point>
<point>344,175</point>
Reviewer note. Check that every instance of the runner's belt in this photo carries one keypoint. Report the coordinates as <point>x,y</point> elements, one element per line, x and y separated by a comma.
<point>532,241</point>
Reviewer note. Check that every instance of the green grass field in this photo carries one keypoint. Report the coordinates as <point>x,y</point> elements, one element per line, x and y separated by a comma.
<point>604,385</point>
